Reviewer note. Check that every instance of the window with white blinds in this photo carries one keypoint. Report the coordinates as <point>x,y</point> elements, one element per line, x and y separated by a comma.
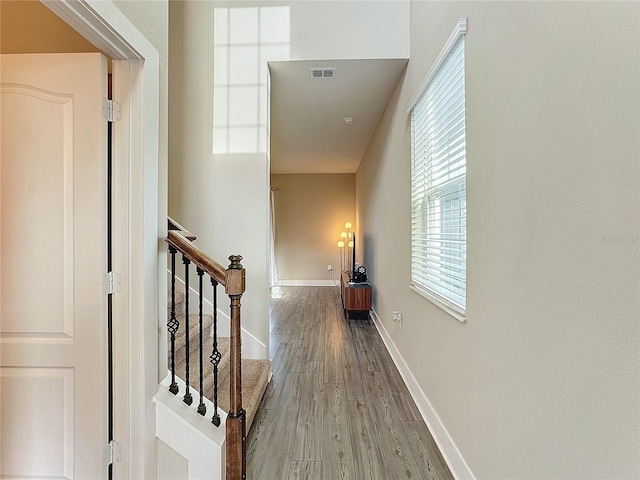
<point>438,184</point>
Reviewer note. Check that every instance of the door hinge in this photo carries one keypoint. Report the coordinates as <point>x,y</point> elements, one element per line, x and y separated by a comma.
<point>111,110</point>
<point>112,283</point>
<point>113,453</point>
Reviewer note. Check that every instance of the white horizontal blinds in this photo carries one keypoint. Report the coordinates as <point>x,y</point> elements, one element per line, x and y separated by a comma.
<point>438,184</point>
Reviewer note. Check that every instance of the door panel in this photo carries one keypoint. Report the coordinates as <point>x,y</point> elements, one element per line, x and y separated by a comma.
<point>53,345</point>
<point>51,428</point>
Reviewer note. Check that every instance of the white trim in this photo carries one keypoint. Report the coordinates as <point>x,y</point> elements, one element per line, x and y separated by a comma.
<point>459,30</point>
<point>457,464</point>
<point>105,26</point>
<point>306,283</point>
<point>138,223</point>
<point>439,302</point>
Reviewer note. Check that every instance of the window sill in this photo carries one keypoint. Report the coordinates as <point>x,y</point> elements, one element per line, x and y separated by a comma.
<point>441,303</point>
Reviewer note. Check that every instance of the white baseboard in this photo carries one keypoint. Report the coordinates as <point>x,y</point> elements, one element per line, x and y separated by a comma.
<point>458,466</point>
<point>307,283</point>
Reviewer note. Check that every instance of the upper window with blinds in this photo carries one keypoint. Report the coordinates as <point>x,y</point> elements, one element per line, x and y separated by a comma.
<point>438,182</point>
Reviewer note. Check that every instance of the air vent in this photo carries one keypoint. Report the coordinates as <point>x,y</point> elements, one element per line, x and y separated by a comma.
<point>322,72</point>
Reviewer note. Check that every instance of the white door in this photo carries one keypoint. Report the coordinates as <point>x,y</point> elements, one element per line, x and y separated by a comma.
<point>53,325</point>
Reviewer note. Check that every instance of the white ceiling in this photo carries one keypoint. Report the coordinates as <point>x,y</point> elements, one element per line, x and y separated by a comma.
<point>308,133</point>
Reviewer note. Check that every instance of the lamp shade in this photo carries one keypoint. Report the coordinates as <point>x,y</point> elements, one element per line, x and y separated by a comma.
<point>347,225</point>
<point>340,244</point>
<point>343,235</point>
<point>350,244</point>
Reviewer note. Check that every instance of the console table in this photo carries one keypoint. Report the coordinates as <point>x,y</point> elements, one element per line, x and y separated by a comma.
<point>356,298</point>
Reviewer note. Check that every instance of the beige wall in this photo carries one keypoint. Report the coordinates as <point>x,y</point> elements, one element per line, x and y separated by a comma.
<point>30,27</point>
<point>311,211</point>
<point>543,380</point>
<point>191,113</point>
<point>329,29</point>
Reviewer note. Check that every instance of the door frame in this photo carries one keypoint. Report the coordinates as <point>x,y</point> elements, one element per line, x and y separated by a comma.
<point>139,225</point>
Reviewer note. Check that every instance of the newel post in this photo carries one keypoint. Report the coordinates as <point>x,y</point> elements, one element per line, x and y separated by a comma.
<point>236,433</point>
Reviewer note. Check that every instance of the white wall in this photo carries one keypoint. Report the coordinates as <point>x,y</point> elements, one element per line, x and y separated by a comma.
<point>330,29</point>
<point>543,380</point>
<point>349,29</point>
<point>171,465</point>
<point>240,183</point>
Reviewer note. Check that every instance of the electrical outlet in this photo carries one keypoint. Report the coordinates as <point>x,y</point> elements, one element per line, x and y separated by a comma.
<point>397,318</point>
<point>329,268</point>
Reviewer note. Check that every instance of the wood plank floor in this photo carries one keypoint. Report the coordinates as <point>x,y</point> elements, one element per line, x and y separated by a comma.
<point>336,408</point>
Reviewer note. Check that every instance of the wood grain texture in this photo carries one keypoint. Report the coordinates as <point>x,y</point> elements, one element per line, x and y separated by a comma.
<point>197,256</point>
<point>256,442</point>
<point>397,453</point>
<point>355,297</point>
<point>364,346</point>
<point>309,434</point>
<point>301,470</point>
<point>338,451</point>
<point>277,461</point>
<point>333,366</point>
<point>367,452</point>
<point>352,370</point>
<point>336,404</point>
<point>430,462</point>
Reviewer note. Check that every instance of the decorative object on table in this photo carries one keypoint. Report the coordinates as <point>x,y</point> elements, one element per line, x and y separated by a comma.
<point>360,274</point>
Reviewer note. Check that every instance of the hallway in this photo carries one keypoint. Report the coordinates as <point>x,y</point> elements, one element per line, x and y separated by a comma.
<point>336,408</point>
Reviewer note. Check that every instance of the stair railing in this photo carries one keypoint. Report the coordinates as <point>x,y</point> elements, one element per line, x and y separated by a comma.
<point>233,281</point>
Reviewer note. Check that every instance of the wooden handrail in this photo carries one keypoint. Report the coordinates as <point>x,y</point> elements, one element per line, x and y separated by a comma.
<point>173,225</point>
<point>185,246</point>
<point>233,280</point>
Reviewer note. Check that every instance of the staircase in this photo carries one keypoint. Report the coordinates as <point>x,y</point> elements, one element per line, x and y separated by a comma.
<point>206,370</point>
<point>255,373</point>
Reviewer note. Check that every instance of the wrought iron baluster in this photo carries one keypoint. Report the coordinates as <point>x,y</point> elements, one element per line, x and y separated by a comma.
<point>173,324</point>
<point>187,396</point>
<point>215,355</point>
<point>202,409</point>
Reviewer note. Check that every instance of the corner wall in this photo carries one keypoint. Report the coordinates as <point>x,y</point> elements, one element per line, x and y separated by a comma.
<point>311,211</point>
<point>543,381</point>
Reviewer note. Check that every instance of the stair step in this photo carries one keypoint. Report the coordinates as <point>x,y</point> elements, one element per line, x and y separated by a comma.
<point>194,333</point>
<point>255,373</point>
<point>255,377</point>
<point>179,304</point>
<point>223,366</point>
<point>194,363</point>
